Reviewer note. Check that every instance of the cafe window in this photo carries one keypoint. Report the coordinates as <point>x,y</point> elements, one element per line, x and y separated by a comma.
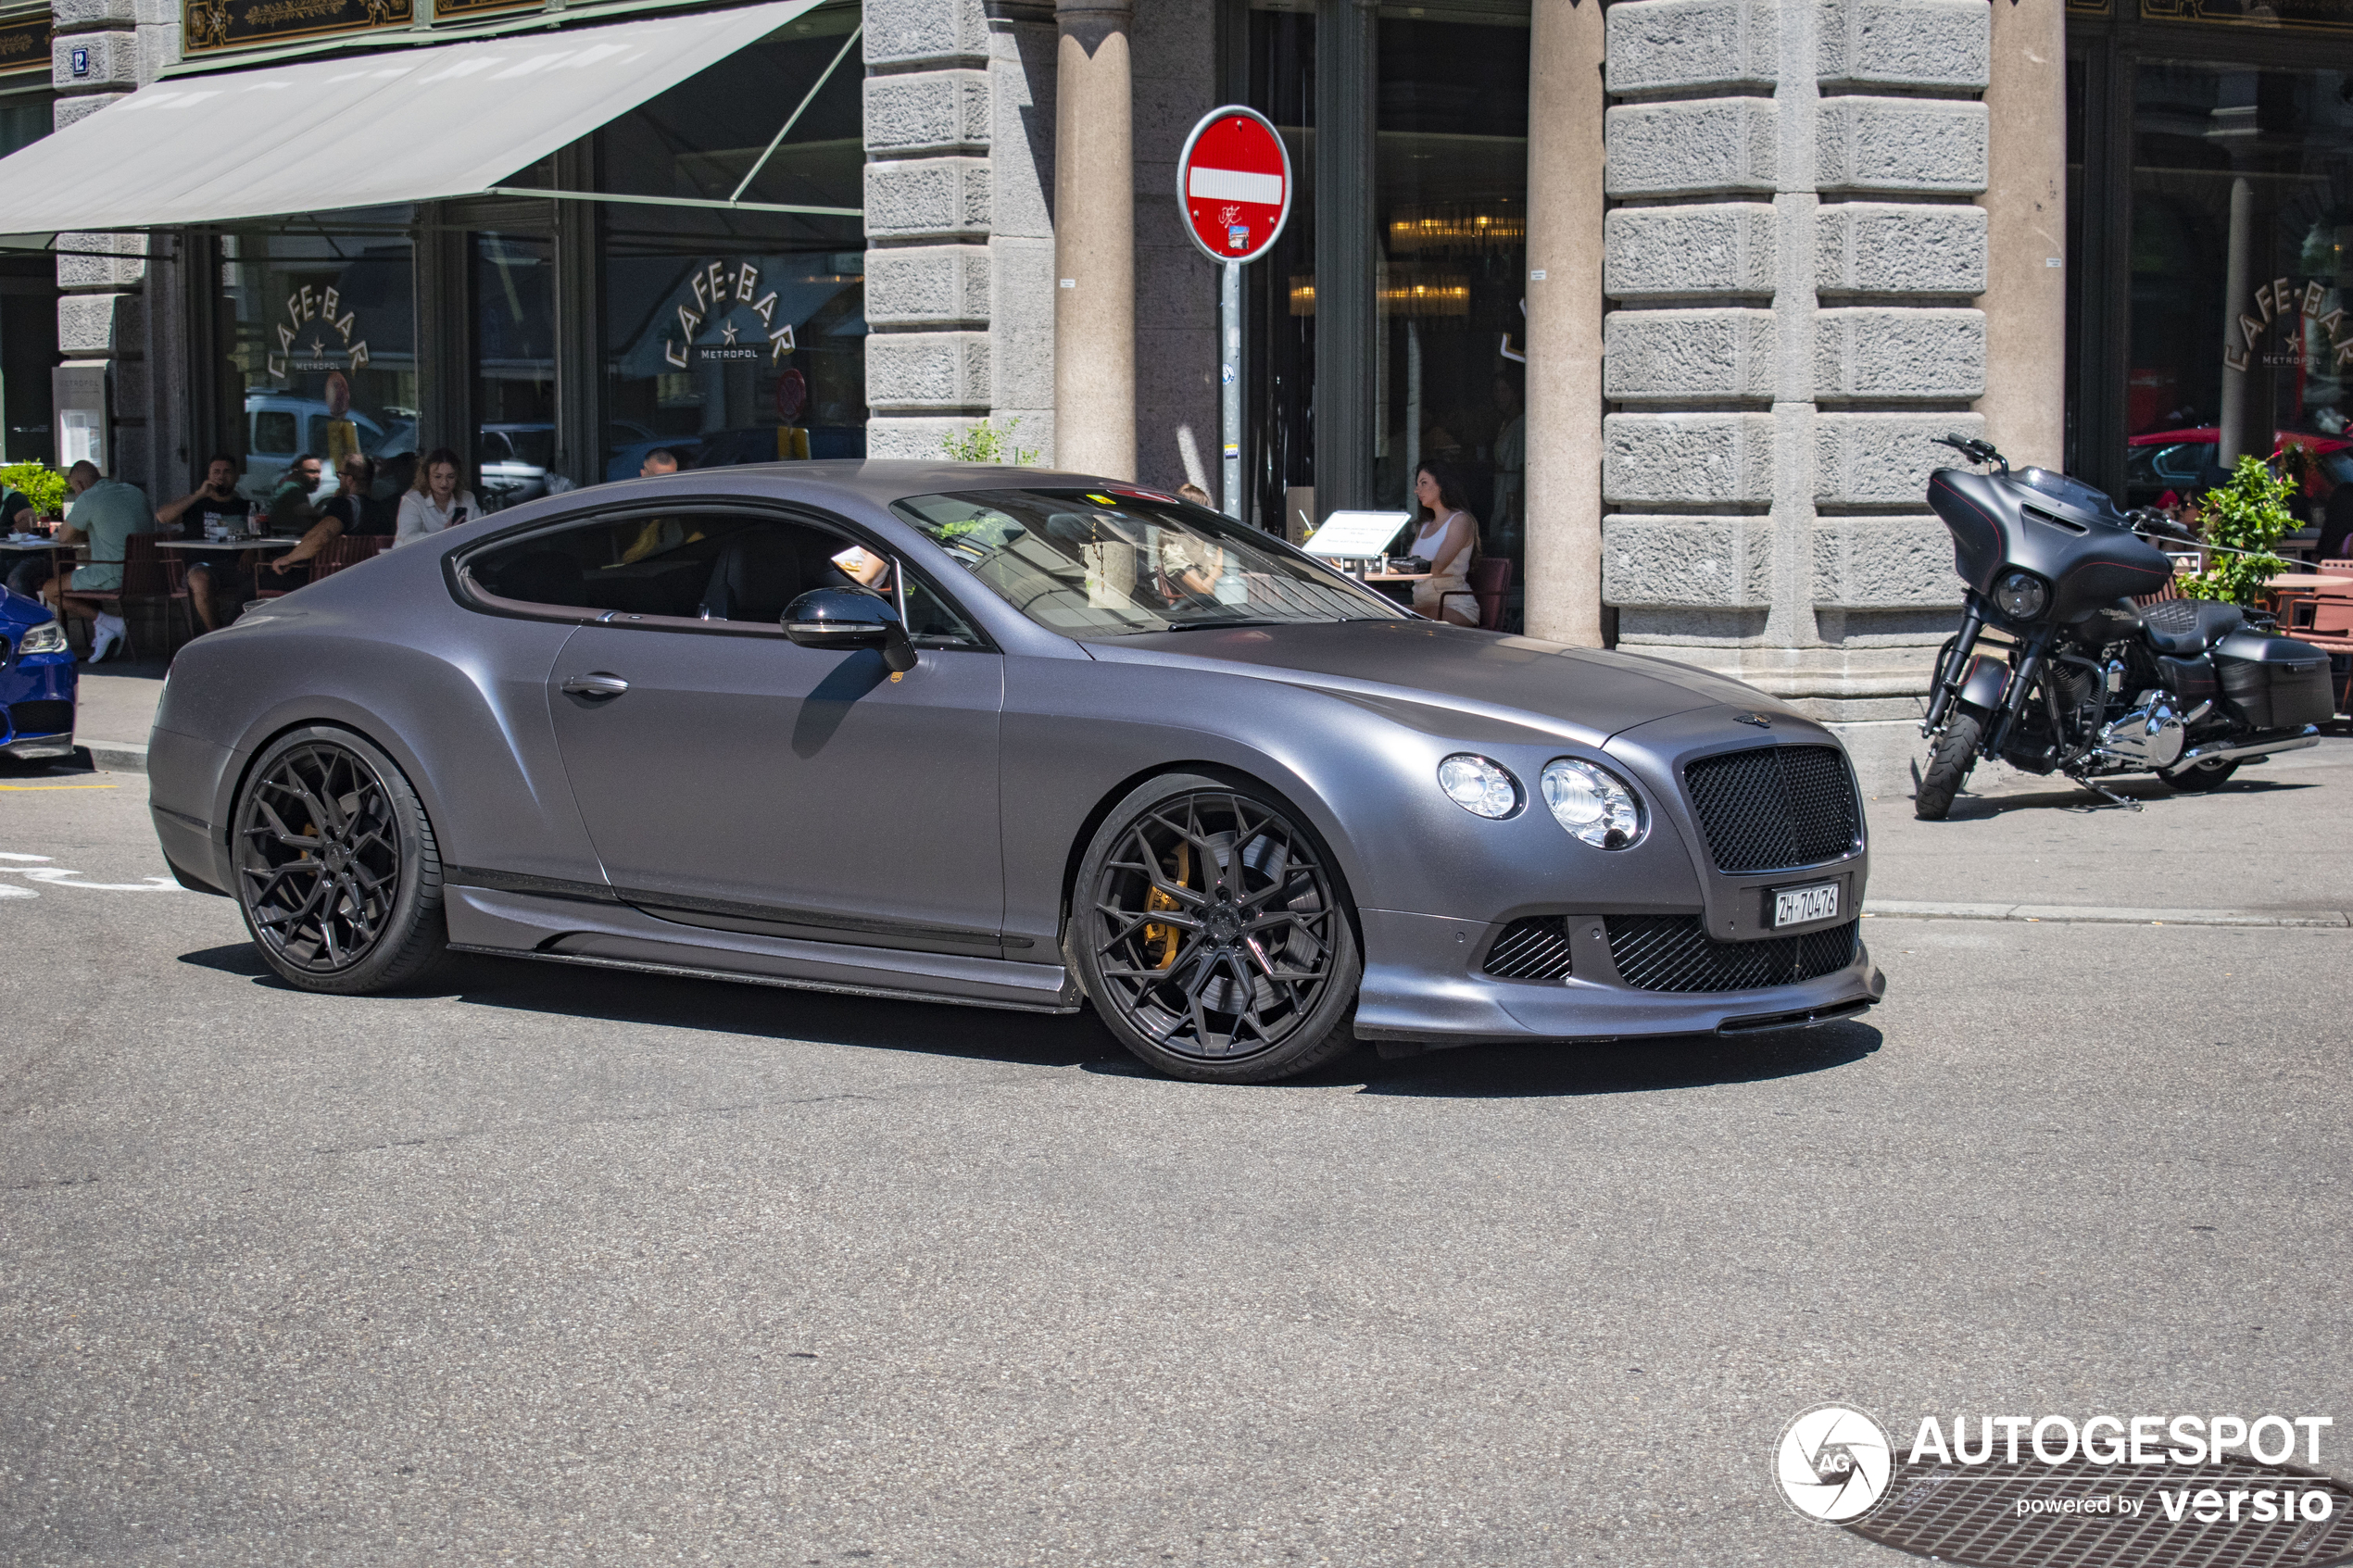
<point>739,336</point>
<point>1450,174</point>
<point>2241,261</point>
<point>514,367</point>
<point>319,353</point>
<point>1445,253</point>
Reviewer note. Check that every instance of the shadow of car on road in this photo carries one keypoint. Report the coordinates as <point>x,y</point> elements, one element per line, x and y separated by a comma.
<point>1535,1069</point>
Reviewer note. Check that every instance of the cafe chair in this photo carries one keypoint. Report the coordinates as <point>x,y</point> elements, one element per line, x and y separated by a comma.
<point>1490,581</point>
<point>347,549</point>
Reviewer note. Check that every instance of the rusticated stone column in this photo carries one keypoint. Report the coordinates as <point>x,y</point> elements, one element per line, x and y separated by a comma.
<point>1094,240</point>
<point>1564,296</point>
<point>1794,278</point>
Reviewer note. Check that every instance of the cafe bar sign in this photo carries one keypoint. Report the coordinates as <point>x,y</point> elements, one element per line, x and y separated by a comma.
<point>238,24</point>
<point>313,337</point>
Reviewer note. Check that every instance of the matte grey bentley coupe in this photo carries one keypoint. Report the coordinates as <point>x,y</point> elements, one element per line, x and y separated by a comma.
<point>1008,738</point>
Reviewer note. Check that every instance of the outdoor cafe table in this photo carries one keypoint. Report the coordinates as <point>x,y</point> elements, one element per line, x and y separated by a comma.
<point>1378,581</point>
<point>2307,580</point>
<point>226,544</point>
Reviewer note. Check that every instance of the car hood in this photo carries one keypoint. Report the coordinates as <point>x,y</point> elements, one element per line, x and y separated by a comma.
<point>1583,694</point>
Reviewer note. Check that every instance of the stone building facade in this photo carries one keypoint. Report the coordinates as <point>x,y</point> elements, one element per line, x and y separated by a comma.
<point>1792,259</point>
<point>1765,251</point>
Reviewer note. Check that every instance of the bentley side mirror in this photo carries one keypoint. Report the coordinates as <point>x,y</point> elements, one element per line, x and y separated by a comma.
<point>850,618</point>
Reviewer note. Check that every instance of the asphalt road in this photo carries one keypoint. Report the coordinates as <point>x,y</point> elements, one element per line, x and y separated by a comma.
<point>545,1265</point>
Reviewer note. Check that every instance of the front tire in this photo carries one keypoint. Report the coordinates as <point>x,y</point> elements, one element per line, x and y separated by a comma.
<point>1949,763</point>
<point>1210,932</point>
<point>337,869</point>
<point>2197,778</point>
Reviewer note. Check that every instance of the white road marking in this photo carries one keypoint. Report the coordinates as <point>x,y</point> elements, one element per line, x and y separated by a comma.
<point>55,875</point>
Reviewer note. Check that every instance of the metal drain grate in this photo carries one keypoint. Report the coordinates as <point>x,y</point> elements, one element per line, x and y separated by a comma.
<point>1535,948</point>
<point>1967,1515</point>
<point>1675,953</point>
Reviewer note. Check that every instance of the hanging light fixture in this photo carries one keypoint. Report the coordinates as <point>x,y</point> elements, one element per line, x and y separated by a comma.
<point>1455,226</point>
<point>1410,290</point>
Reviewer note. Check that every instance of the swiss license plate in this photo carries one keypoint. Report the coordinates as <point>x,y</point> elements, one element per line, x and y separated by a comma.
<point>1796,906</point>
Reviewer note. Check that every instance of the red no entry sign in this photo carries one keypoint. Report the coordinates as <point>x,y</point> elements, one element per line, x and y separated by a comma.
<point>1234,180</point>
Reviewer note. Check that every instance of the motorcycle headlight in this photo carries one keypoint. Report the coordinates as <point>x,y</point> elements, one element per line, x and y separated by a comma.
<point>1479,787</point>
<point>2021,595</point>
<point>47,638</point>
<point>1594,804</point>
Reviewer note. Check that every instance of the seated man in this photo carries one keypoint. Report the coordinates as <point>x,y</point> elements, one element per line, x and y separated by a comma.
<point>346,511</point>
<point>218,589</point>
<point>104,514</point>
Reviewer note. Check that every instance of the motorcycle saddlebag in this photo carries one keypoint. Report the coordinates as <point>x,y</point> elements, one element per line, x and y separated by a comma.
<point>2275,683</point>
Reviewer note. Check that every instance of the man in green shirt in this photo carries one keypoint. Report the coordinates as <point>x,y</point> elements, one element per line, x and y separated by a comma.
<point>105,513</point>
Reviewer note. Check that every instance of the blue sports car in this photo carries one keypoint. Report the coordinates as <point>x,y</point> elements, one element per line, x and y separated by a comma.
<point>36,682</point>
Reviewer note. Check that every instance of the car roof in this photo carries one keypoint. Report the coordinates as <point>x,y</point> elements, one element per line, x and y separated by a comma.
<point>883,480</point>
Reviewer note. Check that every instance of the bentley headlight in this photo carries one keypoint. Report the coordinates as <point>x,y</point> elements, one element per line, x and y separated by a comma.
<point>1479,787</point>
<point>1594,804</point>
<point>2021,595</point>
<point>47,638</point>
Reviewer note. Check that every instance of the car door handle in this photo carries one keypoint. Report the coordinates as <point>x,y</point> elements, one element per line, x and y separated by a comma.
<point>598,684</point>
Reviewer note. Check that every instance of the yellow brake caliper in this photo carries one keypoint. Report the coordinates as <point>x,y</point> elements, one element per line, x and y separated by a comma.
<point>1165,937</point>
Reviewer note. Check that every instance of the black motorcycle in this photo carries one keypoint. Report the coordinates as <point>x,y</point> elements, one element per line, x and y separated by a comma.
<point>2085,684</point>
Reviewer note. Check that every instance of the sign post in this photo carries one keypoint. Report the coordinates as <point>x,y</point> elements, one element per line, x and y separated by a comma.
<point>1234,183</point>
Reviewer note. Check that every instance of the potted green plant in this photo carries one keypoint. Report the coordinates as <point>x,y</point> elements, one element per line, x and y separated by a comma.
<point>984,443</point>
<point>2246,516</point>
<point>39,484</point>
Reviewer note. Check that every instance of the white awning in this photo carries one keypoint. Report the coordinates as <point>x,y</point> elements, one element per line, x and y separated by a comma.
<point>373,130</point>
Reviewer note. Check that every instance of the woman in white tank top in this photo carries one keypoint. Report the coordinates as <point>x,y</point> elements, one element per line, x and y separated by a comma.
<point>1448,539</point>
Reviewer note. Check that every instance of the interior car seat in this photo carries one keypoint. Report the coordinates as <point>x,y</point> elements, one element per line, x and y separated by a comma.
<point>757,574</point>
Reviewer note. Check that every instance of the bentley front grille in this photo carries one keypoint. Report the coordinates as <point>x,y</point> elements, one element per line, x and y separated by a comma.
<point>1774,806</point>
<point>1675,953</point>
<point>1535,948</point>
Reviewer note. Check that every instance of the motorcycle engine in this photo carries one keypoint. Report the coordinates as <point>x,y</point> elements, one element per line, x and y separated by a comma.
<point>2150,736</point>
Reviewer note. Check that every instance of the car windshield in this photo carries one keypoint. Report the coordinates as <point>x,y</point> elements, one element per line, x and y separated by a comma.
<point>1094,563</point>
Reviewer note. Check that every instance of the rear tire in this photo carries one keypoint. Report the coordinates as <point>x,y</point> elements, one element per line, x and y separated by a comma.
<point>1209,929</point>
<point>1949,763</point>
<point>2197,778</point>
<point>334,866</point>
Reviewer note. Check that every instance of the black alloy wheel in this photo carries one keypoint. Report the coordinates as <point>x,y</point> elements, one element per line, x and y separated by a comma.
<point>336,867</point>
<point>1212,936</point>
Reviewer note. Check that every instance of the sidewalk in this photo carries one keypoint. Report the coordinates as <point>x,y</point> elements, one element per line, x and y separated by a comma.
<point>2269,847</point>
<point>118,708</point>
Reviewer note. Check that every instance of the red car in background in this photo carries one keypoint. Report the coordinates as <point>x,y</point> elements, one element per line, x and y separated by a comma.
<point>2183,459</point>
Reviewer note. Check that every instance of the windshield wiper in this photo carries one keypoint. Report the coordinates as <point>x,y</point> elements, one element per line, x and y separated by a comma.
<point>1220,624</point>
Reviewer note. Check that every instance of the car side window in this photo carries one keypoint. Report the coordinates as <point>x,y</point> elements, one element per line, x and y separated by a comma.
<point>932,622</point>
<point>692,564</point>
<point>273,431</point>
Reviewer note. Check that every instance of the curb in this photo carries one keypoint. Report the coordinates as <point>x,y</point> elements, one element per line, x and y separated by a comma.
<point>115,756</point>
<point>2093,914</point>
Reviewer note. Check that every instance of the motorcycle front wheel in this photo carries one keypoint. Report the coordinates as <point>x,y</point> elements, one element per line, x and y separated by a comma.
<point>1949,763</point>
